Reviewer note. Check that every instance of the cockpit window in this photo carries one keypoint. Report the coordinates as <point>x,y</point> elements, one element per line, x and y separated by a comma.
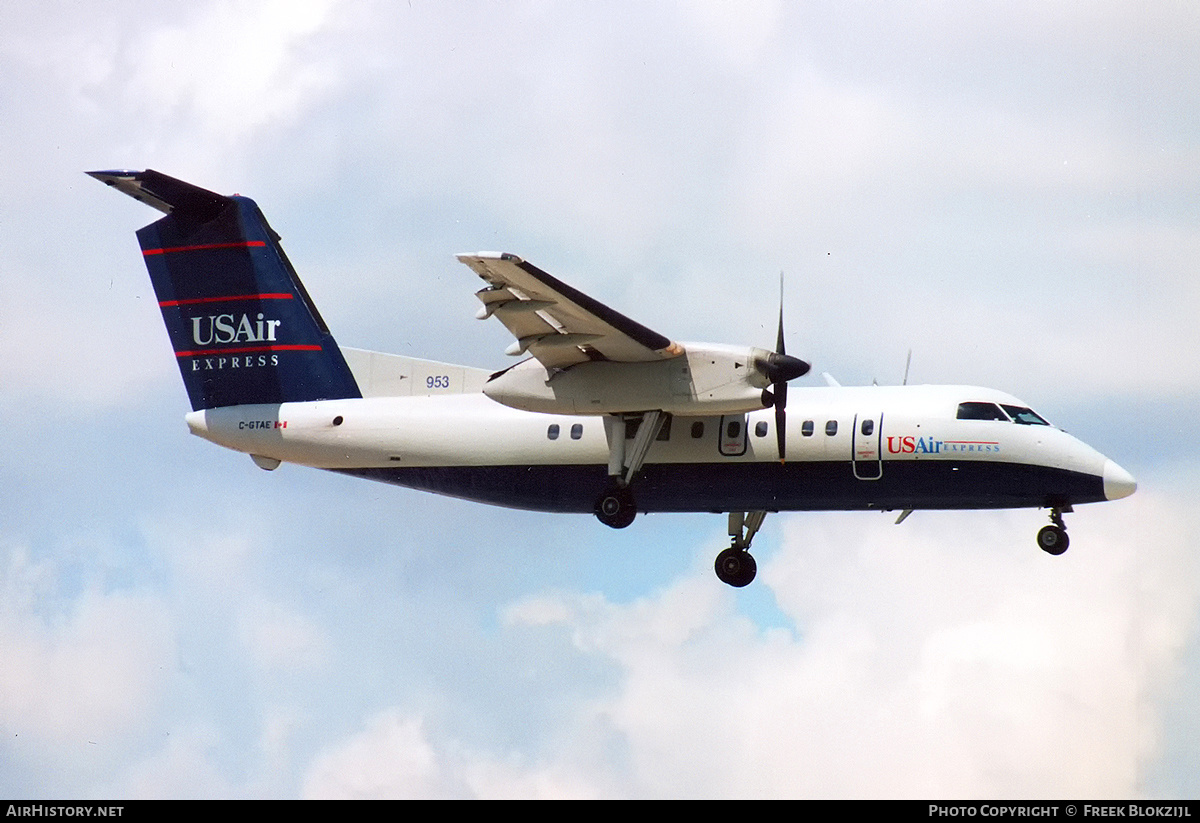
<point>1029,417</point>
<point>982,411</point>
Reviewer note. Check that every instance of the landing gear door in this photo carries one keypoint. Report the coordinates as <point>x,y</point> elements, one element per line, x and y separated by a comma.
<point>866,442</point>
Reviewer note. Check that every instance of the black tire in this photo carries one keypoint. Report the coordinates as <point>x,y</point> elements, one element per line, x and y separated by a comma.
<point>1053,540</point>
<point>616,508</point>
<point>735,567</point>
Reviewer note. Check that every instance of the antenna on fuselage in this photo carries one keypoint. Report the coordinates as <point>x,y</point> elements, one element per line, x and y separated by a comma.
<point>904,382</point>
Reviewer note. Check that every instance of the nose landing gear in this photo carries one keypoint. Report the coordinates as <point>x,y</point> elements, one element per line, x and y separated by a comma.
<point>735,566</point>
<point>1053,539</point>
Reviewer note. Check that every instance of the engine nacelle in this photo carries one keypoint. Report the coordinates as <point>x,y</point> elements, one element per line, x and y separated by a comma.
<point>705,379</point>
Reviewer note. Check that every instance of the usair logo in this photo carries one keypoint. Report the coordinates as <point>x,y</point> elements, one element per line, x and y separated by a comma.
<point>229,328</point>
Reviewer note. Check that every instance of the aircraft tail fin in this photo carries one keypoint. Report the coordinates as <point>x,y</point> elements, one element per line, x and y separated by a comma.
<point>242,325</point>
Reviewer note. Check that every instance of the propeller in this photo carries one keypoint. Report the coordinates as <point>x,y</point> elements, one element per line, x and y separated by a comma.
<point>779,368</point>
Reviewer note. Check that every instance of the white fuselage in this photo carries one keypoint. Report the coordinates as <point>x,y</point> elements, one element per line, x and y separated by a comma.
<point>912,435</point>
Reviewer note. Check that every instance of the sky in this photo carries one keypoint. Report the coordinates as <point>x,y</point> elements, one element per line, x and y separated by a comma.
<point>1008,190</point>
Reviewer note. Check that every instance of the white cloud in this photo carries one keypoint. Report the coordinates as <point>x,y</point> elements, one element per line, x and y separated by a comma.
<point>218,75</point>
<point>391,758</point>
<point>394,758</point>
<point>80,670</point>
<point>509,780</point>
<point>185,765</point>
<point>932,659</point>
<point>277,637</point>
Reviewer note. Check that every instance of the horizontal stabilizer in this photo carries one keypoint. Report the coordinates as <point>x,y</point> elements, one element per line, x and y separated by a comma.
<point>165,193</point>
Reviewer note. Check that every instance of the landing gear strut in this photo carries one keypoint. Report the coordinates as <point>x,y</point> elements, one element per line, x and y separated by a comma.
<point>1053,539</point>
<point>615,507</point>
<point>736,565</point>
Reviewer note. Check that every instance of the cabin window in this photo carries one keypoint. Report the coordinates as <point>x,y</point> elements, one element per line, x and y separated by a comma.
<point>807,428</point>
<point>552,432</point>
<point>831,428</point>
<point>733,429</point>
<point>698,429</point>
<point>576,431</point>
<point>1025,416</point>
<point>980,411</point>
<point>868,428</point>
<point>760,428</point>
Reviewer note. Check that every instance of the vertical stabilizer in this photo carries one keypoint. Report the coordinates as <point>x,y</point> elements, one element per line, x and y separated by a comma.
<point>243,328</point>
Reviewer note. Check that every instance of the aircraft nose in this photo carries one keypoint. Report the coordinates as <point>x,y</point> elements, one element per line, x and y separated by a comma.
<point>1118,483</point>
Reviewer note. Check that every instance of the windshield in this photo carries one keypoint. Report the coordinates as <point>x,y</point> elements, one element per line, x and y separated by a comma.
<point>980,411</point>
<point>1020,414</point>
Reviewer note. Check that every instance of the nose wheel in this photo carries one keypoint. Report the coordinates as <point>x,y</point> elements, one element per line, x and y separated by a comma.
<point>1053,539</point>
<point>735,566</point>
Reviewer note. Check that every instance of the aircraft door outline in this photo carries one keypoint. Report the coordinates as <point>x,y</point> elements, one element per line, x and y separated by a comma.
<point>733,435</point>
<point>866,447</point>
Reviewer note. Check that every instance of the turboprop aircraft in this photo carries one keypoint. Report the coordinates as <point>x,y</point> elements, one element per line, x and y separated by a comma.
<point>603,416</point>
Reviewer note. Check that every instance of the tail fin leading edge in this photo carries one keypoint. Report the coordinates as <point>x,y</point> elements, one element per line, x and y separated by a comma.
<point>243,328</point>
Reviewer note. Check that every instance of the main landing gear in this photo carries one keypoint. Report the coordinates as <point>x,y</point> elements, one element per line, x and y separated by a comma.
<point>615,507</point>
<point>1053,539</point>
<point>736,565</point>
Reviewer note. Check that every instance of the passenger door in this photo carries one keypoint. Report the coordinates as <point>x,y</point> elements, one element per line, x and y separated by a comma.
<point>733,435</point>
<point>866,446</point>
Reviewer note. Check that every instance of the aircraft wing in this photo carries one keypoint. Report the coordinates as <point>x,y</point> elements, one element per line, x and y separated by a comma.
<point>556,323</point>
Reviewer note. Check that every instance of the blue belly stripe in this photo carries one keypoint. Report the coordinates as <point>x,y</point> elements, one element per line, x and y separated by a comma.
<point>795,486</point>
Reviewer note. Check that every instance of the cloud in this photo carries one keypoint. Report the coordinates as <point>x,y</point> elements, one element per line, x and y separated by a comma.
<point>280,638</point>
<point>389,759</point>
<point>932,659</point>
<point>79,669</point>
<point>185,765</point>
<point>1003,674</point>
<point>231,69</point>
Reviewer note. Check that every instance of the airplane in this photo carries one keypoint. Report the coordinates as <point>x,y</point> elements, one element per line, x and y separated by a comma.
<point>602,416</point>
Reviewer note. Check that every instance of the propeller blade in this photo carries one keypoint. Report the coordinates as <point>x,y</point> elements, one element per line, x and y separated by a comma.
<point>781,419</point>
<point>780,369</point>
<point>779,334</point>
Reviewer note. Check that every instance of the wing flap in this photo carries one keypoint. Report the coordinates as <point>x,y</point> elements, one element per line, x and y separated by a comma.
<point>558,324</point>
